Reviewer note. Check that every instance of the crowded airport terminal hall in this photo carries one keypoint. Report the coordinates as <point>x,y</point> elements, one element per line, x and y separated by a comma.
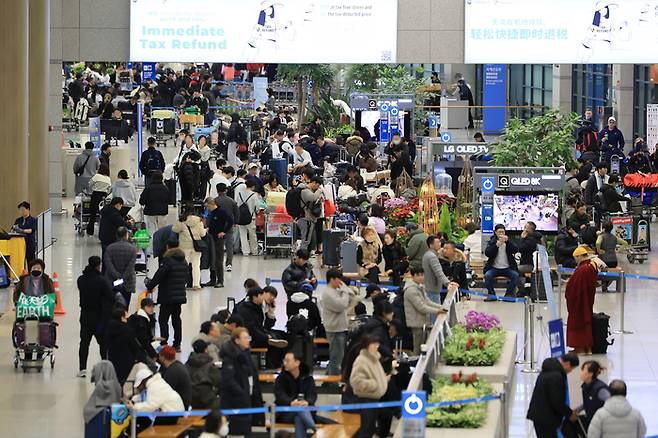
<point>329,218</point>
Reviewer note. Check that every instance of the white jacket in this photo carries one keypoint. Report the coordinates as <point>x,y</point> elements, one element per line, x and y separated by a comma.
<point>617,419</point>
<point>160,397</point>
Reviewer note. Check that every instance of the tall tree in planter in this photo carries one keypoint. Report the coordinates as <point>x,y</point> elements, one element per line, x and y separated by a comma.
<point>542,141</point>
<point>322,76</point>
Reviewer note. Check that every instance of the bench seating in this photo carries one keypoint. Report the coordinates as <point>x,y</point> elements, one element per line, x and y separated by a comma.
<point>165,431</point>
<point>322,378</point>
<point>349,424</point>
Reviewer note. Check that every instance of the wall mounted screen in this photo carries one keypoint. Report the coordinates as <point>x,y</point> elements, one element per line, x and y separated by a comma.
<point>267,31</point>
<point>561,31</point>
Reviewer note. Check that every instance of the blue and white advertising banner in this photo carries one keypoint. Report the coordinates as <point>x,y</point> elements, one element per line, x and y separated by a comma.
<point>561,31</point>
<point>494,93</point>
<point>148,71</point>
<point>270,31</point>
<point>95,132</point>
<point>260,91</point>
<point>556,337</point>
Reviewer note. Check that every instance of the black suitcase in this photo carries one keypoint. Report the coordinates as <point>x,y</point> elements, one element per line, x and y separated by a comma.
<point>163,127</point>
<point>600,333</point>
<point>331,240</point>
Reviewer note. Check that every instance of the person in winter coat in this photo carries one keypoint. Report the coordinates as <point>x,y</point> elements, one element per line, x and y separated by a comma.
<point>111,221</point>
<point>251,311</point>
<point>595,182</point>
<point>209,333</point>
<point>501,262</point>
<point>594,391</point>
<point>453,264</point>
<point>155,200</point>
<point>378,326</point>
<point>369,383</point>
<point>34,284</point>
<point>617,418</point>
<point>85,167</point>
<point>124,188</point>
<point>96,301</point>
<point>159,395</point>
<point>565,244</point>
<point>298,272</point>
<point>528,242</point>
<point>240,387</point>
<point>171,277</point>
<point>606,247</point>
<point>395,258</point>
<point>189,227</point>
<point>612,135</point>
<point>175,374</point>
<point>418,308</point>
<point>548,405</point>
<point>151,161</point>
<point>206,376</point>
<point>143,324</point>
<point>435,279</point>
<point>236,135</point>
<point>295,387</point>
<point>216,426</point>
<point>611,199</point>
<point>353,144</point>
<point>300,303</point>
<point>188,176</point>
<point>369,255</point>
<point>122,347</point>
<point>416,245</point>
<point>119,263</point>
<point>100,185</point>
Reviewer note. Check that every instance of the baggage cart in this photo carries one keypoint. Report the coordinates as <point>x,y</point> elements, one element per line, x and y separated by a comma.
<point>81,209</point>
<point>279,235</point>
<point>34,343</point>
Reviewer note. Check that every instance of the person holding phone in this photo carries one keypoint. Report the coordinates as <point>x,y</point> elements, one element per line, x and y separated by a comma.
<point>501,263</point>
<point>295,387</point>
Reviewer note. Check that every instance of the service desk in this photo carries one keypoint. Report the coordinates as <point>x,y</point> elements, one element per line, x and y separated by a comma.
<point>14,250</point>
<point>454,114</point>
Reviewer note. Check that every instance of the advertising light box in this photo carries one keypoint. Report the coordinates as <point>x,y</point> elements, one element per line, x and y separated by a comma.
<point>561,31</point>
<point>267,31</point>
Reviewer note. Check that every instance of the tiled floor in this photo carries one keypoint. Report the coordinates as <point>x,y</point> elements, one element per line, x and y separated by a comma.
<point>51,402</point>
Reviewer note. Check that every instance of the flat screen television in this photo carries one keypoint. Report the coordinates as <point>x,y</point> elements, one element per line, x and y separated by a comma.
<point>515,209</point>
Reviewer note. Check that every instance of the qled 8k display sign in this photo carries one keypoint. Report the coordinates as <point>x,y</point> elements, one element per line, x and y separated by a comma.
<point>561,31</point>
<point>270,31</point>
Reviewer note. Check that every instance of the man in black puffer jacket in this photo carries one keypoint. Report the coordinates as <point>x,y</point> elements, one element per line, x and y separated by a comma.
<point>251,311</point>
<point>548,404</point>
<point>299,271</point>
<point>171,277</point>
<point>143,324</point>
<point>205,375</point>
<point>565,243</point>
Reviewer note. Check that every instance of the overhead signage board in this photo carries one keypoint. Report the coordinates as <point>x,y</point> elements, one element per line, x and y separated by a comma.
<point>560,31</point>
<point>269,31</point>
<point>462,149</point>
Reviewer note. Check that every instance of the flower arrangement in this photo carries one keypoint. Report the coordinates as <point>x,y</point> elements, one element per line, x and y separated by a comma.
<point>458,387</point>
<point>480,321</point>
<point>473,348</point>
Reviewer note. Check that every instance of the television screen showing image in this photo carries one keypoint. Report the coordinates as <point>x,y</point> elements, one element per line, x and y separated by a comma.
<point>514,210</point>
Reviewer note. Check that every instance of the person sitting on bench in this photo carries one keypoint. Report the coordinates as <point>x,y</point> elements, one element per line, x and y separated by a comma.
<point>295,387</point>
<point>501,262</point>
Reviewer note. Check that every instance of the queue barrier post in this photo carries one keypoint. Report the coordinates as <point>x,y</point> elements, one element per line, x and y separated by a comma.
<point>526,324</point>
<point>621,289</point>
<point>531,316</point>
<point>503,406</point>
<point>272,412</point>
<point>133,423</point>
<point>559,291</point>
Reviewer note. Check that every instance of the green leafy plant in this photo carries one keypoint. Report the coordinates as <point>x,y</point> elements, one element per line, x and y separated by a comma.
<point>473,348</point>
<point>472,415</point>
<point>342,129</point>
<point>321,75</point>
<point>542,141</point>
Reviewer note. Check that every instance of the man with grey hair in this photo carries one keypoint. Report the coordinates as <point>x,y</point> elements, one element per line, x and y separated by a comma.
<point>617,418</point>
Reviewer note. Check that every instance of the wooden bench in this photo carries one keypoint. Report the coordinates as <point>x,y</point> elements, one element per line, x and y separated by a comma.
<point>323,378</point>
<point>195,421</point>
<point>165,431</point>
<point>348,425</point>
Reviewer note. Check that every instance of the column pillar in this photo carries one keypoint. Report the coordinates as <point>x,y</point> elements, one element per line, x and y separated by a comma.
<point>39,59</point>
<point>622,100</point>
<point>14,111</point>
<point>562,82</point>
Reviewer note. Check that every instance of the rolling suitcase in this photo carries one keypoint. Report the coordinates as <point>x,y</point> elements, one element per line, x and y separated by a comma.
<point>600,333</point>
<point>348,256</point>
<point>331,241</point>
<point>47,334</point>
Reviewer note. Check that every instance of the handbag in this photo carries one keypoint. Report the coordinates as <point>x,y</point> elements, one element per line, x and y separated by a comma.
<point>199,245</point>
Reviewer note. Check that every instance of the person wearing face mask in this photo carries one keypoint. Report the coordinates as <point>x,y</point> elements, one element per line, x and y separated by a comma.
<point>36,283</point>
<point>216,426</point>
<point>390,147</point>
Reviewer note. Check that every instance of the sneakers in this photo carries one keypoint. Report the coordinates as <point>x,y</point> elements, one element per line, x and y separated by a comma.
<point>82,374</point>
<point>277,343</point>
<point>218,285</point>
<point>229,268</point>
<point>209,284</point>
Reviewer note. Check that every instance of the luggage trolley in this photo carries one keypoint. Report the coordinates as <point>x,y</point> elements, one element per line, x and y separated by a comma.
<point>279,234</point>
<point>81,208</point>
<point>34,342</point>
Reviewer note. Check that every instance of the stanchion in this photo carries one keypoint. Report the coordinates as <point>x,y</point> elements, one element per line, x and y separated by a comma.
<point>133,423</point>
<point>503,407</point>
<point>272,420</point>
<point>621,289</point>
<point>559,291</point>
<point>531,314</point>
<point>526,317</point>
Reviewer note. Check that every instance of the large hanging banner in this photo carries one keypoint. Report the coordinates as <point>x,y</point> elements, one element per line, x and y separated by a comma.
<point>561,31</point>
<point>270,31</point>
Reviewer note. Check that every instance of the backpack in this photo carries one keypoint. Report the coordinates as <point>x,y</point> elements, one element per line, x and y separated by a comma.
<point>152,163</point>
<point>245,215</point>
<point>294,202</point>
<point>203,389</point>
<point>230,190</point>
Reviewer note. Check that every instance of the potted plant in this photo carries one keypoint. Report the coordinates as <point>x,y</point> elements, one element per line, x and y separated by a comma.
<point>458,387</point>
<point>473,348</point>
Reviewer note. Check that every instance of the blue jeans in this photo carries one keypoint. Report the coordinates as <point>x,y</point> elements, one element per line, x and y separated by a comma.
<point>337,342</point>
<point>436,298</point>
<point>303,422</point>
<point>511,274</point>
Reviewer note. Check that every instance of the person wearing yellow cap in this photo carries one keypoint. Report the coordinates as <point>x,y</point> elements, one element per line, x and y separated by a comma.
<point>580,292</point>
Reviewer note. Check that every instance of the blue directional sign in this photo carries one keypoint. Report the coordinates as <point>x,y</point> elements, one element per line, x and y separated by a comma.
<point>556,337</point>
<point>394,111</point>
<point>446,137</point>
<point>433,121</point>
<point>384,107</point>
<point>413,404</point>
<point>384,133</point>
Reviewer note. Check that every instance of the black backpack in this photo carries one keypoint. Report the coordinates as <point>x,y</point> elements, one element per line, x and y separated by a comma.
<point>245,215</point>
<point>152,163</point>
<point>294,203</point>
<point>230,190</point>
